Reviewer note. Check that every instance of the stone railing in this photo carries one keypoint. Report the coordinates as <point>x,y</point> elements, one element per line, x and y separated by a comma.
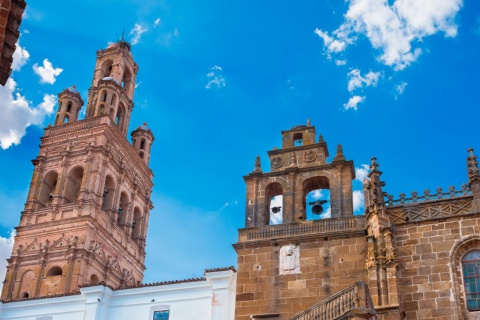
<point>427,196</point>
<point>346,304</point>
<point>303,228</point>
<point>74,126</point>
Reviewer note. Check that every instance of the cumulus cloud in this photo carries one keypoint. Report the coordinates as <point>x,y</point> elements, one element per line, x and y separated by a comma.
<point>17,113</point>
<point>20,57</point>
<point>215,78</point>
<point>317,194</point>
<point>361,173</point>
<point>156,22</point>
<point>358,200</point>
<point>393,29</point>
<point>47,72</point>
<point>340,62</point>
<point>6,246</point>
<point>356,80</point>
<point>137,32</point>
<point>353,102</point>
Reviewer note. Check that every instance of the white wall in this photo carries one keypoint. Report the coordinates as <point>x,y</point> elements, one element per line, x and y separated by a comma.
<point>210,299</point>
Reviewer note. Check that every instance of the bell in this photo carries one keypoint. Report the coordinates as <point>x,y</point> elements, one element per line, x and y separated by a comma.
<point>317,206</point>
<point>276,209</point>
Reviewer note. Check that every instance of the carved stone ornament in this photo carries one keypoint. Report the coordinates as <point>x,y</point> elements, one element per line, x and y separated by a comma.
<point>290,259</point>
<point>309,156</point>
<point>277,162</point>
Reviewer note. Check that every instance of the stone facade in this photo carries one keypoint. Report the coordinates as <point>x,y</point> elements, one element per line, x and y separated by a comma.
<point>86,215</point>
<point>412,252</point>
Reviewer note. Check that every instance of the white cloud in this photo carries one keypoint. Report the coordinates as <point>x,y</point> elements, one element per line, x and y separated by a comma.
<point>156,22</point>
<point>137,32</point>
<point>20,57</point>
<point>17,113</point>
<point>340,62</point>
<point>215,78</point>
<point>357,81</point>
<point>6,246</point>
<point>47,73</point>
<point>399,88</point>
<point>361,173</point>
<point>358,200</point>
<point>276,218</point>
<point>393,29</point>
<point>353,102</point>
<point>317,194</point>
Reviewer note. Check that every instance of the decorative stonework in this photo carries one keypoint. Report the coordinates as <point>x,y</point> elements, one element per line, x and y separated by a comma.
<point>277,162</point>
<point>289,259</point>
<point>309,156</point>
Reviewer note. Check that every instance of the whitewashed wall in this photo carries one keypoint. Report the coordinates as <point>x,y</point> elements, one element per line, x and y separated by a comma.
<point>210,299</point>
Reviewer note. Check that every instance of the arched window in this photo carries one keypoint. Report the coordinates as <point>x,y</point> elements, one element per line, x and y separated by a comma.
<point>108,191</point>
<point>136,223</point>
<point>298,139</point>
<point>54,271</point>
<point>103,96</point>
<point>273,203</point>
<point>123,209</point>
<point>25,295</point>
<point>119,119</point>
<point>69,106</point>
<point>127,78</point>
<point>74,181</point>
<point>65,120</point>
<point>471,279</point>
<point>48,188</point>
<point>94,279</point>
<point>106,70</point>
<point>142,144</point>
<point>316,198</point>
<point>113,102</point>
<point>141,154</point>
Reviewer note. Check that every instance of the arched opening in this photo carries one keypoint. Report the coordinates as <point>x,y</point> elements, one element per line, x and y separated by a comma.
<point>141,154</point>
<point>48,188</point>
<point>142,144</point>
<point>103,96</point>
<point>119,119</point>
<point>106,69</point>
<point>66,119</point>
<point>298,139</point>
<point>111,113</point>
<point>127,78</point>
<point>28,277</point>
<point>113,101</point>
<point>56,119</point>
<point>136,223</point>
<point>94,279</point>
<point>69,106</point>
<point>273,203</point>
<point>123,208</point>
<point>25,295</point>
<point>54,271</point>
<point>471,279</point>
<point>74,181</point>
<point>316,198</point>
<point>108,192</point>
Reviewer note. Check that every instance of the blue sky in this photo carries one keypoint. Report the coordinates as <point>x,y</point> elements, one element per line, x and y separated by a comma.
<point>219,80</point>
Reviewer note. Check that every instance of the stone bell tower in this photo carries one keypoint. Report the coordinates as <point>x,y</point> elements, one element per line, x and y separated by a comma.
<point>86,215</point>
<point>287,267</point>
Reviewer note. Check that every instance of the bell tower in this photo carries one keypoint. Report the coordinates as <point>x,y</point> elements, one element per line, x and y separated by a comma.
<point>87,210</point>
<point>290,259</point>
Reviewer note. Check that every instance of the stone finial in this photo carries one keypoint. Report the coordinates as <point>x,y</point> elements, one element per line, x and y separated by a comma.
<point>339,155</point>
<point>472,167</point>
<point>308,122</point>
<point>293,160</point>
<point>258,166</point>
<point>320,138</point>
<point>374,165</point>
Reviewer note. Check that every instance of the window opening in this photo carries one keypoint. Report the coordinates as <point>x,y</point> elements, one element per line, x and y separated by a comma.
<point>471,278</point>
<point>54,271</point>
<point>298,139</point>
<point>142,144</point>
<point>316,198</point>
<point>65,120</point>
<point>69,106</point>
<point>161,315</point>
<point>276,210</point>
<point>25,295</point>
<point>103,97</point>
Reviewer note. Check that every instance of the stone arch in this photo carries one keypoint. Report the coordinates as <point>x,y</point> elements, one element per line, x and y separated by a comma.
<point>69,106</point>
<point>48,188</point>
<point>459,250</point>
<point>127,80</point>
<point>106,69</point>
<point>123,205</point>
<point>271,190</point>
<point>137,223</point>
<point>94,279</point>
<point>73,184</point>
<point>318,182</point>
<point>120,117</point>
<point>103,96</point>
<point>27,283</point>
<point>108,193</point>
<point>54,271</point>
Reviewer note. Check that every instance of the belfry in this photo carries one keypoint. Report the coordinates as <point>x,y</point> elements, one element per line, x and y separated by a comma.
<point>86,215</point>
